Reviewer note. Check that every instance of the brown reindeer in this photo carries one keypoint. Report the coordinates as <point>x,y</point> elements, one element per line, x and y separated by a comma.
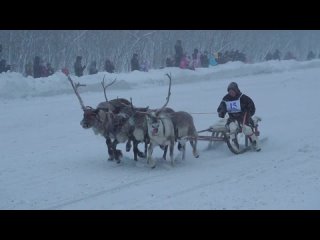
<point>185,130</point>
<point>105,122</point>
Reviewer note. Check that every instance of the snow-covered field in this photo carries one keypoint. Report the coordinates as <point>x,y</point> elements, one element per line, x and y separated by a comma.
<point>47,161</point>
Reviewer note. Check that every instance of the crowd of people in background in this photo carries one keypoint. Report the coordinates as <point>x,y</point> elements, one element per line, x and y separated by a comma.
<point>276,55</point>
<point>201,59</point>
<point>198,59</point>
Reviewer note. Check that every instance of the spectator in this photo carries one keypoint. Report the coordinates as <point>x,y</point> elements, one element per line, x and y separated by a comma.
<point>49,69</point>
<point>135,62</point>
<point>178,52</point>
<point>28,68</point>
<point>204,60</point>
<point>144,66</point>
<point>311,56</point>
<point>212,60</point>
<point>44,70</point>
<point>93,68</point>
<point>169,62</point>
<point>185,62</point>
<point>221,59</point>
<point>195,58</point>
<point>108,66</point>
<point>242,57</point>
<point>78,68</point>
<point>276,55</point>
<point>37,67</point>
<point>289,56</point>
<point>4,67</point>
<point>268,56</point>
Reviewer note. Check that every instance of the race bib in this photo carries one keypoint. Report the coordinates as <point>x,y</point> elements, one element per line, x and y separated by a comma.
<point>233,106</point>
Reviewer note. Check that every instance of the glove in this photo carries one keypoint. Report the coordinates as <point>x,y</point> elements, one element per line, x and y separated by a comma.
<point>221,114</point>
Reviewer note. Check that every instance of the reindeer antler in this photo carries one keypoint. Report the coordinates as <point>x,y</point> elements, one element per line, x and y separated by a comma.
<point>131,104</point>
<point>137,110</point>
<point>168,96</point>
<point>105,87</point>
<point>75,89</point>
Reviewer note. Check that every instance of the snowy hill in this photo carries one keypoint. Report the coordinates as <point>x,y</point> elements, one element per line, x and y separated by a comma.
<point>49,162</point>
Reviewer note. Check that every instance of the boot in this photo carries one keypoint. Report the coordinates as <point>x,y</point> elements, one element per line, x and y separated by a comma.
<point>255,145</point>
<point>248,131</point>
<point>234,142</point>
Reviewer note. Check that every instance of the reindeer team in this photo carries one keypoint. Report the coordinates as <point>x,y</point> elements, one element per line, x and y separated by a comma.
<point>119,121</point>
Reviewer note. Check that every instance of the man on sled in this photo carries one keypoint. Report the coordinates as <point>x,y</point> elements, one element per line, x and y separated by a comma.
<point>240,109</point>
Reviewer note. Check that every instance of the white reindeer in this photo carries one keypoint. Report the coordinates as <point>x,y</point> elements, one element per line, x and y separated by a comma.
<point>160,130</point>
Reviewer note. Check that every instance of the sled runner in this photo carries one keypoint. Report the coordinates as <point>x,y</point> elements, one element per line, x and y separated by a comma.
<point>219,132</point>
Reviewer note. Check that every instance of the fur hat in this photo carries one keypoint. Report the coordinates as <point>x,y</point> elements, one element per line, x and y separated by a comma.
<point>233,86</point>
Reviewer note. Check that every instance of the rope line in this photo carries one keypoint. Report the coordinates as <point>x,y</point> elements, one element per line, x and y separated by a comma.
<point>204,113</point>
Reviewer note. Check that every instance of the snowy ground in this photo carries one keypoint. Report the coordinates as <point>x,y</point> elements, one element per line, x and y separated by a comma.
<point>47,161</point>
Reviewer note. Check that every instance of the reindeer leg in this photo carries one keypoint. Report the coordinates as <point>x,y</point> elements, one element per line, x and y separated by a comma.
<point>117,153</point>
<point>182,147</point>
<point>130,138</point>
<point>194,148</point>
<point>110,149</point>
<point>146,142</point>
<point>128,145</point>
<point>183,151</point>
<point>140,154</point>
<point>150,161</point>
<point>165,149</point>
<point>171,152</point>
<point>135,150</point>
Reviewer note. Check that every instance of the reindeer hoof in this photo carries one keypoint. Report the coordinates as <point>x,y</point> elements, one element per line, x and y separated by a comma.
<point>141,155</point>
<point>128,147</point>
<point>118,154</point>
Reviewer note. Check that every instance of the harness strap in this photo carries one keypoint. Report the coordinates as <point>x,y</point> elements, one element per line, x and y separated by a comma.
<point>164,129</point>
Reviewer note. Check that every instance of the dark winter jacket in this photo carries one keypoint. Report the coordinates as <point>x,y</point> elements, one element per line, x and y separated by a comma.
<point>178,53</point>
<point>204,60</point>
<point>311,56</point>
<point>37,67</point>
<point>3,66</point>
<point>109,67</point>
<point>78,68</point>
<point>135,63</point>
<point>246,103</point>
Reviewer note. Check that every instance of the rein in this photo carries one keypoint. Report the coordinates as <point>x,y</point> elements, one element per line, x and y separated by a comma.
<point>204,113</point>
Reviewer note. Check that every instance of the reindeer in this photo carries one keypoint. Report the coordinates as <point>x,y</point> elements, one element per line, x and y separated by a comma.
<point>104,122</point>
<point>125,128</point>
<point>185,130</point>
<point>138,129</point>
<point>139,121</point>
<point>160,130</point>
